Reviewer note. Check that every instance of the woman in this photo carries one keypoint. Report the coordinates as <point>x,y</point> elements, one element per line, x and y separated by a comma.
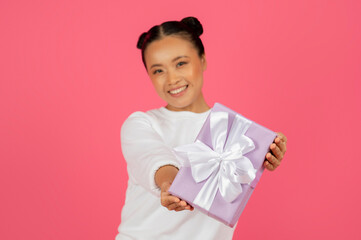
<point>174,58</point>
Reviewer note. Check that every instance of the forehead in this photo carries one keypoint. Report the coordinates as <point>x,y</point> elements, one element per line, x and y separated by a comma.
<point>167,49</point>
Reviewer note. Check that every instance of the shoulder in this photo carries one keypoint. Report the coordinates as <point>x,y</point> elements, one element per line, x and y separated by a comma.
<point>148,116</point>
<point>141,119</point>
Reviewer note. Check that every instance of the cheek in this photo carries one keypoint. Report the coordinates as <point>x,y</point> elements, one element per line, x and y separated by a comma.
<point>157,84</point>
<point>197,75</point>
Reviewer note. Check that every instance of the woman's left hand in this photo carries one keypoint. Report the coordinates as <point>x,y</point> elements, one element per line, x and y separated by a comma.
<point>277,151</point>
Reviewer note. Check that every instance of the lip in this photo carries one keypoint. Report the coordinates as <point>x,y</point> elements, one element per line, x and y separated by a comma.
<point>177,87</point>
<point>180,93</point>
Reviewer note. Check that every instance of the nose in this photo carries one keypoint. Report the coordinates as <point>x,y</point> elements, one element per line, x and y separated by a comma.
<point>173,78</point>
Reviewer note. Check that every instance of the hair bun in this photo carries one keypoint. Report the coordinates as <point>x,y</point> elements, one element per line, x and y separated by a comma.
<point>141,40</point>
<point>193,24</point>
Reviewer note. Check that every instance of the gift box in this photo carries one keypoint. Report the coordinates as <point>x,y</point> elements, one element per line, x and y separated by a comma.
<point>223,166</point>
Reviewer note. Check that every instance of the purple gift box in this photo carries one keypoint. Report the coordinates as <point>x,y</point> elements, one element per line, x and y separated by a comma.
<point>223,166</point>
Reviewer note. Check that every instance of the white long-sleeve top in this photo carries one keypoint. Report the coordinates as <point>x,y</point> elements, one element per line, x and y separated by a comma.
<point>147,139</point>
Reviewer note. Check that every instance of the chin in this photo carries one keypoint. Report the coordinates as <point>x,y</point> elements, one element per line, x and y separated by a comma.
<point>178,106</point>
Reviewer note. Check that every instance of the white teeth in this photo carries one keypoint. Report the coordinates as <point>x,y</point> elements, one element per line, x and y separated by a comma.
<point>178,90</point>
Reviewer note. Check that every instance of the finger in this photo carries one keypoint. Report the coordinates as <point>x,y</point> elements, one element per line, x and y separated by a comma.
<point>173,206</point>
<point>276,151</point>
<point>282,137</point>
<point>166,200</point>
<point>179,208</point>
<point>183,203</point>
<point>189,207</point>
<point>281,144</point>
<point>179,205</point>
<point>268,165</point>
<point>272,160</point>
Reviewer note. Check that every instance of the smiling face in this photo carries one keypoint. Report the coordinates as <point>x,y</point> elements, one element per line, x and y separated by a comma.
<point>176,71</point>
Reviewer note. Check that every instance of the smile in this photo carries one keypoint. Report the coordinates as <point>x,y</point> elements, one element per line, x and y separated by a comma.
<point>178,90</point>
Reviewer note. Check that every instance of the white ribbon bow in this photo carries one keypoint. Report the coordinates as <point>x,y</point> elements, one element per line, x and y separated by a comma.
<point>225,167</point>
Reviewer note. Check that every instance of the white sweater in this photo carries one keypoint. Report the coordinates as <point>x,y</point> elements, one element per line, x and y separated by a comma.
<point>147,140</point>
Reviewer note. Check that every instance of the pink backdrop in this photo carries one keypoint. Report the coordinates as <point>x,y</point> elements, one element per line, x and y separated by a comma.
<point>70,74</point>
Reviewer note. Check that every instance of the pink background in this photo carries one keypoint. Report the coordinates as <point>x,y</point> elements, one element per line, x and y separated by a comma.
<point>70,74</point>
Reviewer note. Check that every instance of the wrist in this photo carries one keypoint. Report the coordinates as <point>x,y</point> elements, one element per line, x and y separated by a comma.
<point>165,175</point>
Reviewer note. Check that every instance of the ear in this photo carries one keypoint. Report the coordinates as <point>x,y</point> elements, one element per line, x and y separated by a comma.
<point>204,62</point>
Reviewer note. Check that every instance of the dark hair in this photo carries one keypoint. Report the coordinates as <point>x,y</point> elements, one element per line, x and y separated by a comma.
<point>188,28</point>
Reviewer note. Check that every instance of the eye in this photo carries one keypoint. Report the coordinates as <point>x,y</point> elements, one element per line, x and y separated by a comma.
<point>181,64</point>
<point>157,71</point>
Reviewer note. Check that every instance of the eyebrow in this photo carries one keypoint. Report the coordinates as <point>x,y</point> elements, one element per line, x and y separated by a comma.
<point>174,59</point>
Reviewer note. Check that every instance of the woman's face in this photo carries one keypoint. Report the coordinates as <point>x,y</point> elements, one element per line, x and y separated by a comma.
<point>176,71</point>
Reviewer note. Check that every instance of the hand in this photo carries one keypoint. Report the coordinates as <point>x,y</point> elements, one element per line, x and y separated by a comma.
<point>172,202</point>
<point>277,151</point>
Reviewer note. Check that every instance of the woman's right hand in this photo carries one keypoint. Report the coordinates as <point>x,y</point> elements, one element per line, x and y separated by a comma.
<point>172,202</point>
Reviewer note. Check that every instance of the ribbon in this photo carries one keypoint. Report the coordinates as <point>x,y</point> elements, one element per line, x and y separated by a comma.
<point>224,166</point>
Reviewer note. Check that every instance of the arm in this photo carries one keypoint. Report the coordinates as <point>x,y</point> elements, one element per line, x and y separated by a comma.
<point>144,151</point>
<point>151,163</point>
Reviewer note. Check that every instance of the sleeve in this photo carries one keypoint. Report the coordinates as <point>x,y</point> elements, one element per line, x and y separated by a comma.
<point>144,151</point>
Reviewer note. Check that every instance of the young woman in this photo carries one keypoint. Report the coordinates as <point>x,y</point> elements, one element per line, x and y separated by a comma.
<point>173,55</point>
